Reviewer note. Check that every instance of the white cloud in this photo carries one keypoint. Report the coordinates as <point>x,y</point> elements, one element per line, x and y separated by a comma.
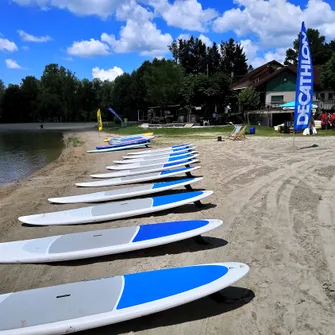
<point>25,48</point>
<point>12,64</point>
<point>101,8</point>
<point>31,38</point>
<point>139,34</point>
<point>109,74</point>
<point>7,45</point>
<point>252,50</point>
<point>69,59</point>
<point>276,22</point>
<point>185,14</point>
<point>205,40</point>
<point>88,48</point>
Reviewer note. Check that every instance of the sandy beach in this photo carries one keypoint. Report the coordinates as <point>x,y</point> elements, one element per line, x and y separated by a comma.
<point>276,203</point>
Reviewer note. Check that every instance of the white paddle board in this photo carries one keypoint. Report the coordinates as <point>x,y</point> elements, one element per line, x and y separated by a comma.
<point>68,308</point>
<point>115,210</point>
<point>124,193</point>
<point>102,242</point>
<point>125,147</point>
<point>144,170</point>
<point>174,148</point>
<point>155,162</point>
<point>155,158</point>
<point>139,178</point>
<point>160,154</point>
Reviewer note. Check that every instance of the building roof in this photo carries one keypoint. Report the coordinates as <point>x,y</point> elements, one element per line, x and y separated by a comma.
<point>268,71</point>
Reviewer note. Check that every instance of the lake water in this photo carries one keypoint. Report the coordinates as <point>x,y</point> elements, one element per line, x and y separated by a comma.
<point>23,152</point>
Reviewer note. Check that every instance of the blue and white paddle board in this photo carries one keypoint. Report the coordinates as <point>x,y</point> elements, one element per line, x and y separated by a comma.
<point>125,142</point>
<point>155,158</point>
<point>124,193</point>
<point>102,242</point>
<point>159,154</point>
<point>139,178</point>
<point>115,210</point>
<point>174,148</point>
<point>125,147</point>
<point>144,170</point>
<point>151,163</point>
<point>68,308</point>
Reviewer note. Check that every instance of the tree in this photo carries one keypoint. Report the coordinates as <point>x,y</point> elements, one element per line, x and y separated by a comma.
<point>234,60</point>
<point>320,50</point>
<point>30,90</point>
<point>163,82</point>
<point>248,99</point>
<point>12,105</point>
<point>327,75</point>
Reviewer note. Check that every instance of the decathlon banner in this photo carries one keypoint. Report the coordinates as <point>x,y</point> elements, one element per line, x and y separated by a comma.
<point>99,120</point>
<point>111,110</point>
<point>305,84</point>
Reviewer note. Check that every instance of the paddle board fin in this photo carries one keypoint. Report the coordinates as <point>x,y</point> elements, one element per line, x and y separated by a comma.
<point>199,204</point>
<point>200,240</point>
<point>189,187</point>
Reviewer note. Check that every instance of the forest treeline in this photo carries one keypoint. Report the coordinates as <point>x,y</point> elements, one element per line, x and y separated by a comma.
<point>197,75</point>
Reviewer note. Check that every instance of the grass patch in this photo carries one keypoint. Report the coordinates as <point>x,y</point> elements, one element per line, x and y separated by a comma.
<point>74,141</point>
<point>204,132</point>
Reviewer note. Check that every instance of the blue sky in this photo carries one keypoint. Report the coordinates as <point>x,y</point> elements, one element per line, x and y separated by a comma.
<point>103,38</point>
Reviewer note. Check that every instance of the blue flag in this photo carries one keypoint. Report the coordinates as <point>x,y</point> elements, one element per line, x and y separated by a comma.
<point>305,84</point>
<point>113,112</point>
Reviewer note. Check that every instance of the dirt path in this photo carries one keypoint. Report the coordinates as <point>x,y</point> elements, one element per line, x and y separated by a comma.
<point>277,208</point>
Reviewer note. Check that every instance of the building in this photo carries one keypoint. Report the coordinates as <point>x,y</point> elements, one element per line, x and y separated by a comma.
<point>276,84</point>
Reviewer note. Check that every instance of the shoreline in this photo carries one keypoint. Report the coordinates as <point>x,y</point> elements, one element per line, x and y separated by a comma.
<point>49,126</point>
<point>276,205</point>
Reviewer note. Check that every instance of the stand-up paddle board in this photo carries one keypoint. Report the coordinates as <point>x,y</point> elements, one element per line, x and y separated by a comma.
<point>102,242</point>
<point>155,151</point>
<point>125,142</point>
<point>68,308</point>
<point>144,170</point>
<point>124,193</point>
<point>160,154</point>
<point>151,163</point>
<point>115,210</point>
<point>152,157</point>
<point>139,178</point>
<point>125,147</point>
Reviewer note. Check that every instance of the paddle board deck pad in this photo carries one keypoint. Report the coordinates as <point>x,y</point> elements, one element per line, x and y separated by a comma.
<point>158,155</point>
<point>153,163</point>
<point>115,210</point>
<point>102,242</point>
<point>139,178</point>
<point>144,170</point>
<point>174,148</point>
<point>154,158</point>
<point>124,193</point>
<point>125,147</point>
<point>88,304</point>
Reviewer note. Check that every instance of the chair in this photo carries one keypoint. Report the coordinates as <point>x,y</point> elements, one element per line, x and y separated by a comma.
<point>238,133</point>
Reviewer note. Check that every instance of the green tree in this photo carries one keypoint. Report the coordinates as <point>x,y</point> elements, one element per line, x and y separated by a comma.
<point>12,106</point>
<point>248,99</point>
<point>327,75</point>
<point>163,82</point>
<point>234,60</point>
<point>30,90</point>
<point>320,50</point>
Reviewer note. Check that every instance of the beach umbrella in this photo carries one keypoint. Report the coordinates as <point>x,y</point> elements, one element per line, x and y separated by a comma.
<point>291,105</point>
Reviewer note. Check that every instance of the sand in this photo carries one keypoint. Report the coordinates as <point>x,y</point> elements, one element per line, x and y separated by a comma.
<point>277,208</point>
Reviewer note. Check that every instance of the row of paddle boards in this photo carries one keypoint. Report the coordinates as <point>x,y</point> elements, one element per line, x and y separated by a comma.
<point>69,308</point>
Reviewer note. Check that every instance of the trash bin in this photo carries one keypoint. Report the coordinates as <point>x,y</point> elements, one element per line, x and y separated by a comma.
<point>252,130</point>
<point>287,127</point>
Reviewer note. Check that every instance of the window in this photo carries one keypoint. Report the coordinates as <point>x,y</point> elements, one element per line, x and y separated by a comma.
<point>277,98</point>
<point>330,96</point>
<point>322,96</point>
